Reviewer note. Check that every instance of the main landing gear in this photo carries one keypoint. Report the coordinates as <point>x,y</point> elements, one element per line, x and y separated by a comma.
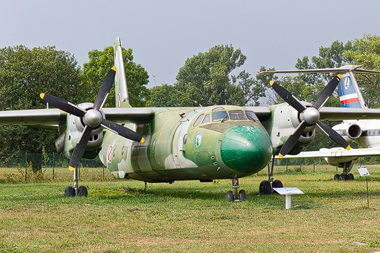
<point>75,191</point>
<point>235,196</point>
<point>346,169</point>
<point>266,186</point>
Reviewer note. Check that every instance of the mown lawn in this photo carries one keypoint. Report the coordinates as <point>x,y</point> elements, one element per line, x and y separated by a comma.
<point>117,216</point>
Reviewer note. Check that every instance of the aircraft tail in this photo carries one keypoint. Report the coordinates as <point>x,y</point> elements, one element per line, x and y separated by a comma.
<point>121,90</point>
<point>349,93</point>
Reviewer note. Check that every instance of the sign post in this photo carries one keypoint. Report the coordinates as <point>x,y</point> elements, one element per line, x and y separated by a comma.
<point>288,192</point>
<point>364,173</point>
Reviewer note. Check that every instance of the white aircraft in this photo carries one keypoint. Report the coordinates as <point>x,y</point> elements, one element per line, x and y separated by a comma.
<point>364,132</point>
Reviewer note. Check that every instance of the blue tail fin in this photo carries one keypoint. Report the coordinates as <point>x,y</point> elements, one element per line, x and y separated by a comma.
<point>349,93</point>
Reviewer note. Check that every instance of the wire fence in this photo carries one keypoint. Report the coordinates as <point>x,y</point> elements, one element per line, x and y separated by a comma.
<point>44,167</point>
<point>319,165</point>
<point>32,167</point>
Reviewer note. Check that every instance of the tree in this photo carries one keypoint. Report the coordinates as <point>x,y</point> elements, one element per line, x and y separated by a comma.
<point>97,68</point>
<point>366,52</point>
<point>205,78</point>
<point>24,74</point>
<point>163,96</point>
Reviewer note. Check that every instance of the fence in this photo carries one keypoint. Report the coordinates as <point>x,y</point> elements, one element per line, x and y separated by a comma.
<point>42,167</point>
<point>37,167</point>
<point>319,165</point>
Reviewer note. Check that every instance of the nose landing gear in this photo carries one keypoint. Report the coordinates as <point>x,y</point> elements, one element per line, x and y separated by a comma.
<point>235,196</point>
<point>75,191</point>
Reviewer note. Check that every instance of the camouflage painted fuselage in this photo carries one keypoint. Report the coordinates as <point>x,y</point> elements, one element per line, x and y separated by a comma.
<point>186,144</point>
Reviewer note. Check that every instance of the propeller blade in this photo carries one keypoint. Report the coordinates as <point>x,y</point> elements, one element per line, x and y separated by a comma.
<point>63,105</point>
<point>326,92</point>
<point>288,97</point>
<point>289,144</point>
<point>105,89</point>
<point>333,135</point>
<point>80,148</point>
<point>123,131</point>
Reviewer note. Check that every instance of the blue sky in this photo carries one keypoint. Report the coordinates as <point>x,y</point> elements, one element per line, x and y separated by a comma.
<point>163,34</point>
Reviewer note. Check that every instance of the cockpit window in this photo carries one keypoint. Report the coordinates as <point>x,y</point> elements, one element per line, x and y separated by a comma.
<point>219,116</point>
<point>206,119</point>
<point>237,115</point>
<point>198,121</point>
<point>251,115</point>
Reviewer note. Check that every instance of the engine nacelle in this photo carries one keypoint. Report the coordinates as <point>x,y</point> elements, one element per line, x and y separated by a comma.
<point>285,121</point>
<point>74,131</point>
<point>349,131</point>
<point>354,131</point>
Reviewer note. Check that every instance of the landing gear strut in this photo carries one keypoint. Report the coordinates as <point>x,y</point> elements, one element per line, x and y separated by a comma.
<point>235,196</point>
<point>346,169</point>
<point>266,186</point>
<point>76,191</point>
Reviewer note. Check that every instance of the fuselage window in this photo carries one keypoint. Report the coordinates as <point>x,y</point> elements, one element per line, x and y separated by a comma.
<point>206,119</point>
<point>251,115</point>
<point>185,139</point>
<point>219,116</point>
<point>237,115</point>
<point>198,121</point>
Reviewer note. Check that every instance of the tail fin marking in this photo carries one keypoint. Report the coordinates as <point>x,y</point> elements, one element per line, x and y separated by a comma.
<point>349,93</point>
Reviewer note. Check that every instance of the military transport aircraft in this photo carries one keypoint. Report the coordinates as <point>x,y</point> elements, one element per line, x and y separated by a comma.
<point>364,132</point>
<point>194,143</point>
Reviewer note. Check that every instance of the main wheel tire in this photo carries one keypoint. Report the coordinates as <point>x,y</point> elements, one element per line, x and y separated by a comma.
<point>230,196</point>
<point>343,177</point>
<point>336,177</point>
<point>69,191</point>
<point>82,191</point>
<point>277,184</point>
<point>350,176</point>
<point>242,195</point>
<point>265,188</point>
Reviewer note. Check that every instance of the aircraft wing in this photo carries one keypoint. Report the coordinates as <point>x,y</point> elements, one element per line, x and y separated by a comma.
<point>134,114</point>
<point>337,152</point>
<point>343,113</point>
<point>51,118</point>
<point>262,112</point>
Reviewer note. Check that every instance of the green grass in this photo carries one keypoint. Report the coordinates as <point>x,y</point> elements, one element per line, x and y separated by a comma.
<point>192,217</point>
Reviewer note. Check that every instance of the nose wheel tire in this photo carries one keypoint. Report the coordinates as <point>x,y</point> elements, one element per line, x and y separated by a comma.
<point>242,195</point>
<point>69,191</point>
<point>277,184</point>
<point>265,188</point>
<point>82,191</point>
<point>230,196</point>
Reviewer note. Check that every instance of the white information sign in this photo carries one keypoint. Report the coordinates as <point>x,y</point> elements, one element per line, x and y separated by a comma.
<point>288,191</point>
<point>363,171</point>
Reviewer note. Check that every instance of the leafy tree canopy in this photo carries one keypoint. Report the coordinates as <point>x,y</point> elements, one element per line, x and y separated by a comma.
<point>97,68</point>
<point>24,74</point>
<point>366,52</point>
<point>206,78</point>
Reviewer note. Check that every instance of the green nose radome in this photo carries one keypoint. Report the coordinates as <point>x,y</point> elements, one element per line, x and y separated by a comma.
<point>246,149</point>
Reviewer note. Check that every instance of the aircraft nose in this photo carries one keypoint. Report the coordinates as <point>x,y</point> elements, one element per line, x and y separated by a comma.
<point>246,149</point>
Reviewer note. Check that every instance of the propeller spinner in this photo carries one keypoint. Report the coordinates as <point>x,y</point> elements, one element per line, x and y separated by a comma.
<point>309,115</point>
<point>92,118</point>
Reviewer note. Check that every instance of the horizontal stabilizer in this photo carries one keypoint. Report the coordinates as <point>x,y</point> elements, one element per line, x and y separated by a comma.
<point>334,71</point>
